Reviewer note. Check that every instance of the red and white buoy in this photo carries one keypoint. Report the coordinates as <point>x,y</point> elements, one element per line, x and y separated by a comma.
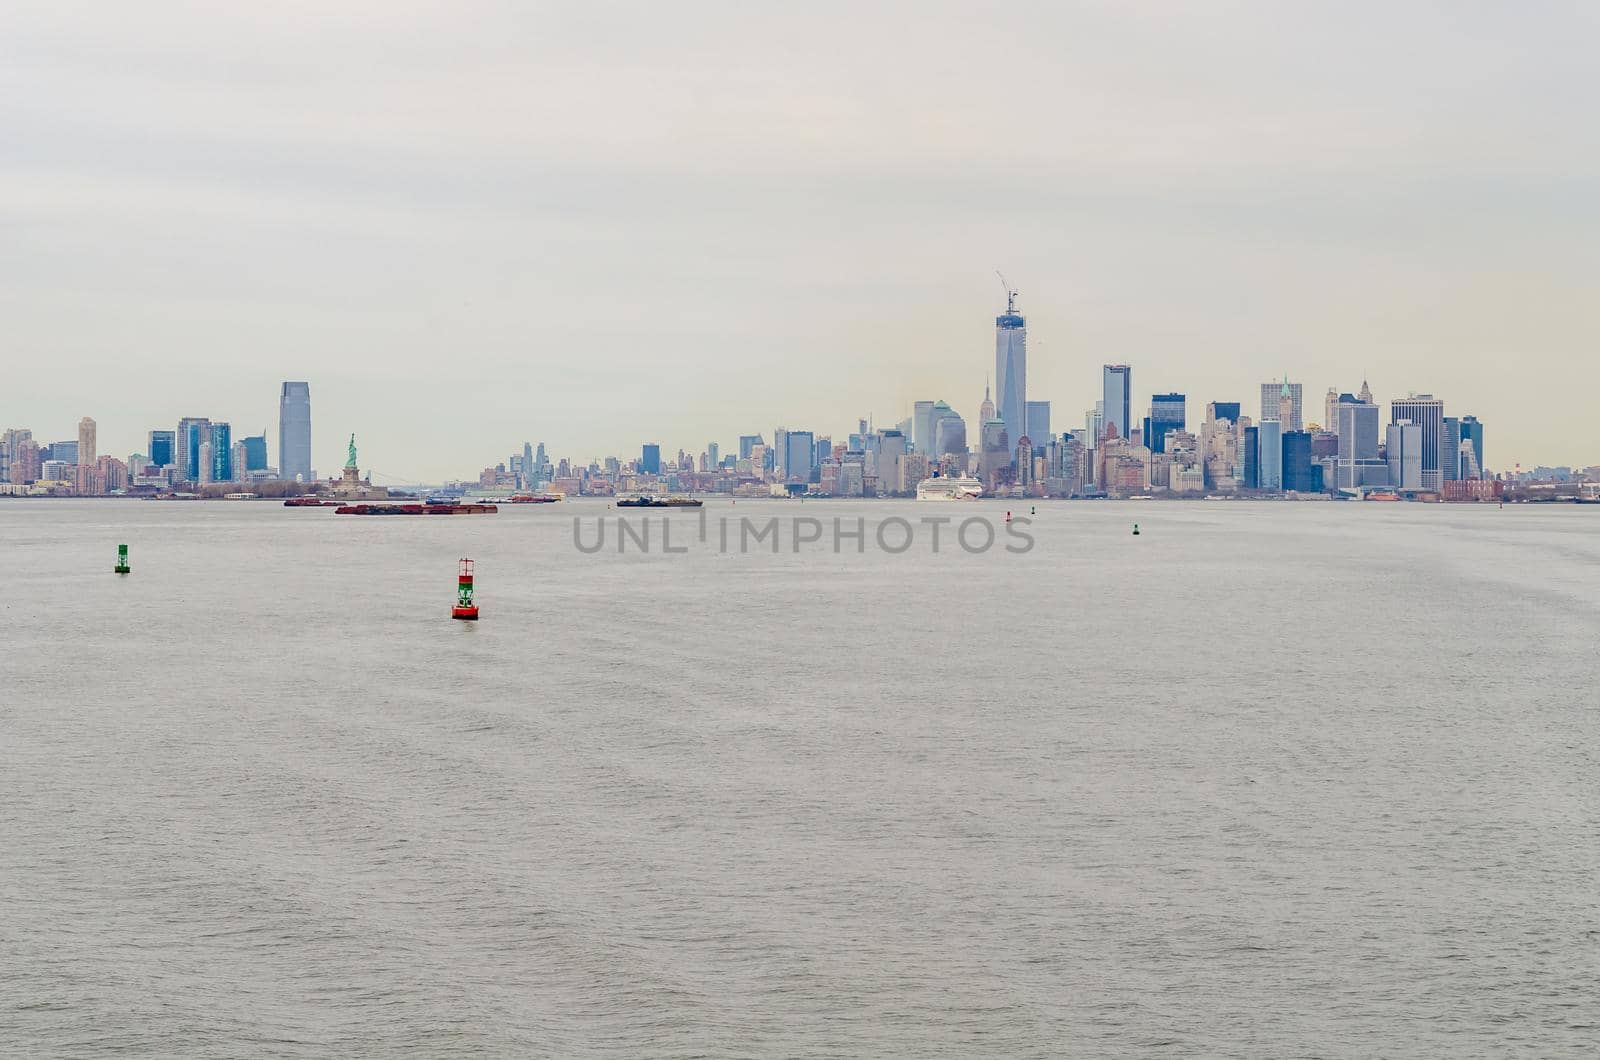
<point>465,608</point>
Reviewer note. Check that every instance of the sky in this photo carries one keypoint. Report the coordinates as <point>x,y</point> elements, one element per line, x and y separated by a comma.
<point>475,224</point>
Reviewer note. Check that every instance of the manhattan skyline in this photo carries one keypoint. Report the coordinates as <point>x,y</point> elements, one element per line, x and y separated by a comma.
<point>601,229</point>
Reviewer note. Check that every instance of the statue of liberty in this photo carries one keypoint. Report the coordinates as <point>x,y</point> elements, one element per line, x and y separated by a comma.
<point>351,462</point>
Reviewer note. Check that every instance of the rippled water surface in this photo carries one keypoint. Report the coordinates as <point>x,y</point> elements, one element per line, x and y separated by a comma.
<point>1265,781</point>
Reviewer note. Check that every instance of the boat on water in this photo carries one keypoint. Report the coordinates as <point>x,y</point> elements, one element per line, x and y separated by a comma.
<point>309,502</point>
<point>535,498</point>
<point>949,488</point>
<point>646,501</point>
<point>416,509</point>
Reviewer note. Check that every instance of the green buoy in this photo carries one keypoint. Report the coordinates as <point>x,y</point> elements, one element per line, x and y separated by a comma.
<point>122,560</point>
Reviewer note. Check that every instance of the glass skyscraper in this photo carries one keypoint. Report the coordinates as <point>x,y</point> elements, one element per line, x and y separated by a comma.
<point>1427,412</point>
<point>294,432</point>
<point>221,452</point>
<point>1269,460</point>
<point>1118,396</point>
<point>650,459</point>
<point>1167,413</point>
<point>161,445</point>
<point>1011,370</point>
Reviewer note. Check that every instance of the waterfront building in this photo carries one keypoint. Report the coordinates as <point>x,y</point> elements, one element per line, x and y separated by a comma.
<point>747,444</point>
<point>1281,401</point>
<point>66,452</point>
<point>1116,400</point>
<point>26,462</point>
<point>294,432</point>
<point>1299,471</point>
<point>650,459</point>
<point>1252,458</point>
<point>11,443</point>
<point>86,442</point>
<point>1357,463</point>
<point>1330,412</point>
<point>1269,459</point>
<point>1406,449</point>
<point>1011,369</point>
<point>1427,412</point>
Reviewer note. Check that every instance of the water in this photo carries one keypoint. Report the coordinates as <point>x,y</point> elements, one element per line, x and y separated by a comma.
<point>1267,780</point>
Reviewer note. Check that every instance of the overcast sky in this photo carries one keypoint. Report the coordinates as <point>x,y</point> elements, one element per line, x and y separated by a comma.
<point>596,224</point>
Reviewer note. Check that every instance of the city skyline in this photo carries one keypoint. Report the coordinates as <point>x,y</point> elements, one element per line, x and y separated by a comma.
<point>785,222</point>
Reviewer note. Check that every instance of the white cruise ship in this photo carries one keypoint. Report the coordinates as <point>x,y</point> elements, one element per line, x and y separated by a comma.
<point>949,489</point>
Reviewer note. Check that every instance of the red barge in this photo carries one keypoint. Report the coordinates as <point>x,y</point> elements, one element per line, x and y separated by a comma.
<point>416,509</point>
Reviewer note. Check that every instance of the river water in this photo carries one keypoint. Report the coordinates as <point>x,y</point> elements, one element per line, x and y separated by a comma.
<point>1266,780</point>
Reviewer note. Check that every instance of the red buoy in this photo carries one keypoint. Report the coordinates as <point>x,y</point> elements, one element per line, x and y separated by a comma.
<point>465,608</point>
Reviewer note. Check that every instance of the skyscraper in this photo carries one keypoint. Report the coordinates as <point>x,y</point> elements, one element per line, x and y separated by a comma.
<point>1252,458</point>
<point>1472,431</point>
<point>161,448</point>
<point>1357,463</point>
<point>221,441</point>
<point>1407,451</point>
<point>1273,397</point>
<point>1427,412</point>
<point>294,432</point>
<point>799,456</point>
<point>1269,459</point>
<point>1117,380</point>
<point>1011,370</point>
<point>1167,413</point>
<point>1225,410</point>
<point>1298,473</point>
<point>1038,414</point>
<point>891,451</point>
<point>193,432</point>
<point>86,441</point>
<point>949,431</point>
<point>922,426</point>
<point>650,459</point>
<point>255,453</point>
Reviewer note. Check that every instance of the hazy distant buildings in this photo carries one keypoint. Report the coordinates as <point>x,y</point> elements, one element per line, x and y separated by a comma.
<point>650,459</point>
<point>800,455</point>
<point>294,432</point>
<point>255,454</point>
<point>1011,370</point>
